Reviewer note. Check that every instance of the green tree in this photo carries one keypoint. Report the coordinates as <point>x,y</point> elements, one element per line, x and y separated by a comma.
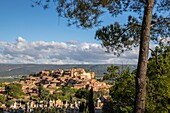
<point>2,85</point>
<point>158,87</point>
<point>14,90</point>
<point>158,94</point>
<point>44,94</point>
<point>82,93</point>
<point>149,25</point>
<point>159,62</point>
<point>108,107</point>
<point>123,93</point>
<point>2,99</point>
<point>57,94</point>
<point>90,101</point>
<point>112,72</point>
<point>63,93</point>
<point>68,92</point>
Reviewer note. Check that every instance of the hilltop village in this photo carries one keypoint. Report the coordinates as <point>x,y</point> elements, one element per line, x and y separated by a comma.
<point>53,82</point>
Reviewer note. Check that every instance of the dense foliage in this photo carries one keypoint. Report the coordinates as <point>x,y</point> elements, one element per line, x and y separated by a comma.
<point>158,86</point>
<point>82,93</point>
<point>87,96</point>
<point>158,94</point>
<point>43,93</point>
<point>112,72</point>
<point>14,90</point>
<point>66,93</point>
<point>2,99</point>
<point>122,93</point>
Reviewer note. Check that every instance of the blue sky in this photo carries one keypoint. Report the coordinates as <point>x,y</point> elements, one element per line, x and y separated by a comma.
<point>37,36</point>
<point>18,18</point>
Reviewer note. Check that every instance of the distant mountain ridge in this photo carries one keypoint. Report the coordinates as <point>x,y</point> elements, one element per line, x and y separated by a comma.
<point>26,69</point>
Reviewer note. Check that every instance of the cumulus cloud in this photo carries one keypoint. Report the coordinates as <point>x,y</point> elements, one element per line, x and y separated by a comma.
<point>72,52</point>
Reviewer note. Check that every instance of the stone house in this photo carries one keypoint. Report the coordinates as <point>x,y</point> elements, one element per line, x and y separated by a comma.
<point>79,86</point>
<point>45,72</point>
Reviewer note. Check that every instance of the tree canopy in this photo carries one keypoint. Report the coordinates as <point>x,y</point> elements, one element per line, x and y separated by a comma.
<point>14,90</point>
<point>115,37</point>
<point>158,72</point>
<point>158,86</point>
<point>82,93</point>
<point>112,72</point>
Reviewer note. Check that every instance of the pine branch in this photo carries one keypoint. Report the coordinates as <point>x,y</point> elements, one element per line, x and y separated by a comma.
<point>164,21</point>
<point>129,27</point>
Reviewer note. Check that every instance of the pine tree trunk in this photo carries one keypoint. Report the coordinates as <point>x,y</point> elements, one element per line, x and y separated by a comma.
<point>139,106</point>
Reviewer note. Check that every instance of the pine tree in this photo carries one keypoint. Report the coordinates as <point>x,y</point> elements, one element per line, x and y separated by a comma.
<point>152,22</point>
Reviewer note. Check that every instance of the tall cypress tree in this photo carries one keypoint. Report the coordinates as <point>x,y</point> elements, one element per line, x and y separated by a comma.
<point>91,103</point>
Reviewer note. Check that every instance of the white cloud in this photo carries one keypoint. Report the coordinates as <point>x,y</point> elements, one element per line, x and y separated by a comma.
<point>72,52</point>
<point>20,39</point>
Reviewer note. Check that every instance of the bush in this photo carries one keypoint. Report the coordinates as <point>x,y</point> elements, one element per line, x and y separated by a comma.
<point>14,90</point>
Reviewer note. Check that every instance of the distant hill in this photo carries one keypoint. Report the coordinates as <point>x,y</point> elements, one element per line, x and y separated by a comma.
<point>26,69</point>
